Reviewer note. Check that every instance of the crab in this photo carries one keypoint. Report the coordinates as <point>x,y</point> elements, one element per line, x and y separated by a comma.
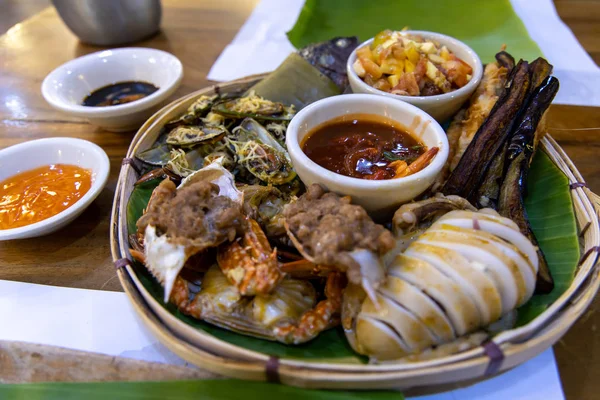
<point>332,234</point>
<point>289,314</point>
<point>169,228</point>
<point>246,289</point>
<point>249,262</point>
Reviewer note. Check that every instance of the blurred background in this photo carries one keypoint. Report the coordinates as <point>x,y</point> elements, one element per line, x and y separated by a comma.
<point>15,11</point>
<point>578,14</point>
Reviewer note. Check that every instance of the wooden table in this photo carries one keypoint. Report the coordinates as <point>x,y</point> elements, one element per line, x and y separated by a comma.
<point>196,32</point>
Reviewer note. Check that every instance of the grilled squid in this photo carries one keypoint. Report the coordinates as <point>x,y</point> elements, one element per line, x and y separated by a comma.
<point>462,274</point>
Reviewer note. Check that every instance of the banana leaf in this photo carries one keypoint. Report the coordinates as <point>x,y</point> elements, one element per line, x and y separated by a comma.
<point>483,25</point>
<point>550,210</point>
<point>295,82</point>
<point>217,389</point>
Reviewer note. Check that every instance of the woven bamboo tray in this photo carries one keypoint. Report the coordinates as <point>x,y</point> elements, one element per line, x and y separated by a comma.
<point>204,350</point>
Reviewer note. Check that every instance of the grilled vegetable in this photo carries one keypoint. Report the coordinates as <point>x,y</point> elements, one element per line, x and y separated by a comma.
<point>467,122</point>
<point>540,71</point>
<point>488,193</point>
<point>470,171</point>
<point>518,157</point>
<point>505,60</point>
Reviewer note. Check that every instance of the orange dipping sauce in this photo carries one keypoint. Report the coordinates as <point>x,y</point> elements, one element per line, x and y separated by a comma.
<point>41,193</point>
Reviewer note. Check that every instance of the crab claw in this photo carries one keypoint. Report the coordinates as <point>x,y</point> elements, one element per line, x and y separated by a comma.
<point>370,272</point>
<point>164,259</point>
<point>217,174</point>
<point>323,316</point>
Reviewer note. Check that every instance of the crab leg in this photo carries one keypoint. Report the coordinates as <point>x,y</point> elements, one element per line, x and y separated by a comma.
<point>289,255</point>
<point>249,263</point>
<point>180,296</point>
<point>306,269</point>
<point>158,173</point>
<point>138,255</point>
<point>325,314</point>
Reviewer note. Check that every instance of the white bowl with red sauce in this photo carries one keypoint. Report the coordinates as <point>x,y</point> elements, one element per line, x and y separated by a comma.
<point>441,106</point>
<point>379,196</point>
<point>34,154</point>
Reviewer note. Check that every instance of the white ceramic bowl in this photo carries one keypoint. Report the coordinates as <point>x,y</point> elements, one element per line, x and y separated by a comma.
<point>67,86</point>
<point>443,106</point>
<point>376,196</point>
<point>38,153</point>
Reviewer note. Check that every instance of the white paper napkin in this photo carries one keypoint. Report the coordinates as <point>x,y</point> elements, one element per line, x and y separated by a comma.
<point>104,322</point>
<point>263,34</point>
<point>79,319</point>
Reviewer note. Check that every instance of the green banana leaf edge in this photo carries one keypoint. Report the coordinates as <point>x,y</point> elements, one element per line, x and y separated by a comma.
<point>208,389</point>
<point>485,26</point>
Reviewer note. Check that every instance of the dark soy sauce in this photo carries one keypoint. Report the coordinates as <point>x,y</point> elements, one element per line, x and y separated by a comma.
<point>119,93</point>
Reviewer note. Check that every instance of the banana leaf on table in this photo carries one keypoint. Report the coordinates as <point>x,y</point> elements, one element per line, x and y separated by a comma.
<point>550,211</point>
<point>483,25</point>
<point>219,389</point>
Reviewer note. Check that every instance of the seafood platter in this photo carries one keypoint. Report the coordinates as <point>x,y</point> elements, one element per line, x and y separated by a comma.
<point>283,228</point>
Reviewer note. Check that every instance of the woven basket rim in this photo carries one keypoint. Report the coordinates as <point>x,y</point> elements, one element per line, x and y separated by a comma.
<point>587,225</point>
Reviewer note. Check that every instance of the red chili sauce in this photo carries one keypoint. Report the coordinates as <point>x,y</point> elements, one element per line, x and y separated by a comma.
<point>363,146</point>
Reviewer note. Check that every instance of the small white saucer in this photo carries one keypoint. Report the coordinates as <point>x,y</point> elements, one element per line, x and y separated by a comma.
<point>38,153</point>
<point>66,87</point>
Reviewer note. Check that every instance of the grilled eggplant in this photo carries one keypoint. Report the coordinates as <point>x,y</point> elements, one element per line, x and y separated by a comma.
<point>472,167</point>
<point>519,153</point>
<point>489,191</point>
